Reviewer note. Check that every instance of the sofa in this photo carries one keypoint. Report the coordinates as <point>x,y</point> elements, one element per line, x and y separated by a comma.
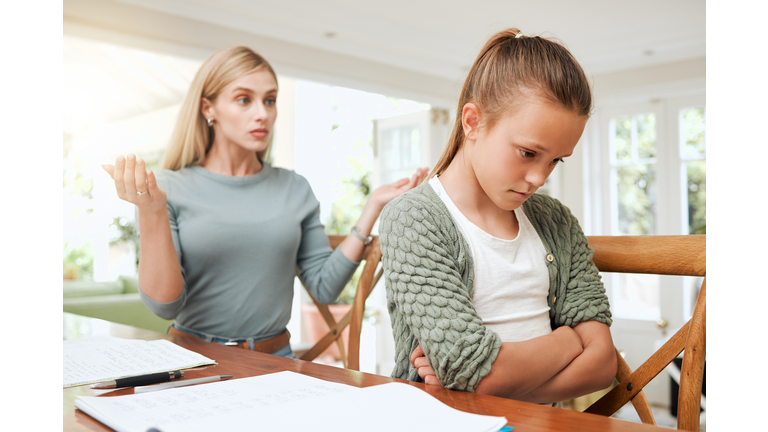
<point>116,301</point>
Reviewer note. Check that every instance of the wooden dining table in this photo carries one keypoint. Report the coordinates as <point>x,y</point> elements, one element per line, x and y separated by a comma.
<point>241,363</point>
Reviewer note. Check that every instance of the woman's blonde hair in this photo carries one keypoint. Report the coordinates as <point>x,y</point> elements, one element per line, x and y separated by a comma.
<point>509,69</point>
<point>192,137</point>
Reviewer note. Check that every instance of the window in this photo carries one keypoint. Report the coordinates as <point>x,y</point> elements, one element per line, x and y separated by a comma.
<point>633,173</point>
<point>693,152</point>
<point>654,183</point>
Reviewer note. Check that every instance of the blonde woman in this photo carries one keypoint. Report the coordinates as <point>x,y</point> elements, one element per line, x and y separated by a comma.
<point>222,231</point>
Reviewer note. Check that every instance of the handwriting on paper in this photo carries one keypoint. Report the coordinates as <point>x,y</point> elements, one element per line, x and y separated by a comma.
<point>105,358</point>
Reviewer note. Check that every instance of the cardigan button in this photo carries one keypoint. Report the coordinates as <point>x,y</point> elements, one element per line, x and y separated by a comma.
<point>550,258</point>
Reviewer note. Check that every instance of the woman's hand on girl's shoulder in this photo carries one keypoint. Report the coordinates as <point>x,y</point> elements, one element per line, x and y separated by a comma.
<point>387,193</point>
<point>136,184</point>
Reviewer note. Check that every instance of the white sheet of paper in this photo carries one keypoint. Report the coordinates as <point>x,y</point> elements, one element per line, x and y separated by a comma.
<point>283,400</point>
<point>103,358</point>
<point>191,405</point>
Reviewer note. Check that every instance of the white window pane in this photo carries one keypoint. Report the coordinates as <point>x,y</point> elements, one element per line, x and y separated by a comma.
<point>622,134</point>
<point>636,296</point>
<point>636,193</point>
<point>646,136</point>
<point>693,125</point>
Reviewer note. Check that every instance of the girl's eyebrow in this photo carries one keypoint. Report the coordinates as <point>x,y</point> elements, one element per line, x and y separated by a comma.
<point>542,149</point>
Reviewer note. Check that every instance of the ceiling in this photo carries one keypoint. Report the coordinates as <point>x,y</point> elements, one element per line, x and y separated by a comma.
<point>442,38</point>
<point>405,48</point>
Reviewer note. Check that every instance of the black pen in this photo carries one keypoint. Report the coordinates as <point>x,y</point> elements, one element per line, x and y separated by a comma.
<point>139,380</point>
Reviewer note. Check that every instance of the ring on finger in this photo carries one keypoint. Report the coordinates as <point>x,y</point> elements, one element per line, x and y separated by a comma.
<point>140,192</point>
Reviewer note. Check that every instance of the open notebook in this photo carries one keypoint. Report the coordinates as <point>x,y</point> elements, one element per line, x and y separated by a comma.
<point>283,401</point>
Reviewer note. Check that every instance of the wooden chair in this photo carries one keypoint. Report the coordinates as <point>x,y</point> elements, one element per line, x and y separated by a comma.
<point>353,318</point>
<point>663,255</point>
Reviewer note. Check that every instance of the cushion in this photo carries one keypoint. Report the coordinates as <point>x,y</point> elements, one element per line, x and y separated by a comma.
<point>74,289</point>
<point>130,284</point>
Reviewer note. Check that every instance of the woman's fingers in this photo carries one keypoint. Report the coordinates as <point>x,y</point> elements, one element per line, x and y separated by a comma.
<point>400,183</point>
<point>129,177</point>
<point>141,176</point>
<point>117,175</point>
<point>416,179</point>
<point>151,183</point>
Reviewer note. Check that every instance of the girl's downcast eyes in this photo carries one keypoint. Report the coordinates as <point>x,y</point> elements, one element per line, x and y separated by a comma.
<point>530,154</point>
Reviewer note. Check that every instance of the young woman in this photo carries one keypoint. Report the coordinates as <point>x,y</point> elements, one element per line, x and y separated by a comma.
<point>491,287</point>
<point>222,231</point>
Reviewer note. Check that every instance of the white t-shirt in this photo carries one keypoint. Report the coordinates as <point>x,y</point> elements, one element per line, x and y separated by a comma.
<point>511,280</point>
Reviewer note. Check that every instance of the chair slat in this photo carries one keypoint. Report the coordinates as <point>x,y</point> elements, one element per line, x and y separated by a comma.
<point>623,373</point>
<point>663,255</point>
<point>366,284</point>
<point>692,370</point>
<point>328,339</point>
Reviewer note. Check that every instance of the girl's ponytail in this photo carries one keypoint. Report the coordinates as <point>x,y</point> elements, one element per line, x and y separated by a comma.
<point>509,68</point>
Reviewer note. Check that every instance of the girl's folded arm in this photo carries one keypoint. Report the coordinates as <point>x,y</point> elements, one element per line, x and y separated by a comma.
<point>593,370</point>
<point>523,366</point>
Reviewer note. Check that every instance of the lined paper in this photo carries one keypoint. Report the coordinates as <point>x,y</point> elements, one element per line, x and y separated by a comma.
<point>103,358</point>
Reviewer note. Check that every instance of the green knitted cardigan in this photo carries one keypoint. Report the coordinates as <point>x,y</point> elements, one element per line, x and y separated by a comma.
<point>429,278</point>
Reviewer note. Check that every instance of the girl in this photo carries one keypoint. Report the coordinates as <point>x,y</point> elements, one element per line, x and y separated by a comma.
<point>490,287</point>
<point>222,231</point>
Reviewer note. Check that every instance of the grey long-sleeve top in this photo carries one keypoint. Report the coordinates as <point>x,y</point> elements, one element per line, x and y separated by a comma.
<point>239,241</point>
<point>428,274</point>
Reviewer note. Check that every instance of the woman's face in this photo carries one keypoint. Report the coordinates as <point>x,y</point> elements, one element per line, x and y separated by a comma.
<point>244,112</point>
<point>513,159</point>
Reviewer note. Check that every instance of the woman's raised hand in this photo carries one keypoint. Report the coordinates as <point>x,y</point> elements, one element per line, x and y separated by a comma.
<point>136,184</point>
<point>387,193</point>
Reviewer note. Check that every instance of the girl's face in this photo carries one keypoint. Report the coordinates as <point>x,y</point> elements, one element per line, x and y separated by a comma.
<point>513,159</point>
<point>244,112</point>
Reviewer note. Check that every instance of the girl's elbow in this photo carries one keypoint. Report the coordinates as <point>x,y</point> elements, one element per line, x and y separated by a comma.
<point>607,372</point>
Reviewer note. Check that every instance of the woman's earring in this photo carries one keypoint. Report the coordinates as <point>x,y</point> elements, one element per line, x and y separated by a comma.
<point>210,122</point>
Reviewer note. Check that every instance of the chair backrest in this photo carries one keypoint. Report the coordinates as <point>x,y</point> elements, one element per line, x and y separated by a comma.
<point>353,318</point>
<point>662,255</point>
